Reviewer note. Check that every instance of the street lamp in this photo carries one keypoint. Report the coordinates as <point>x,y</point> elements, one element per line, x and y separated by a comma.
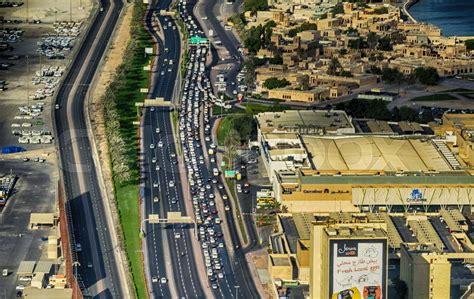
<point>75,265</point>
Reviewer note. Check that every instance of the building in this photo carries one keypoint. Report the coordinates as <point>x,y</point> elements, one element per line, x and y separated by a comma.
<point>430,252</point>
<point>308,96</point>
<point>311,122</point>
<point>348,260</point>
<point>375,172</point>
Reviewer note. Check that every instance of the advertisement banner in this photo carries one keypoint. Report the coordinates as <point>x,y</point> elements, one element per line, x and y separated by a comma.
<point>358,269</point>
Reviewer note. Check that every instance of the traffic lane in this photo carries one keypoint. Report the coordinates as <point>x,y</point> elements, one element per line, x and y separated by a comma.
<point>229,279</point>
<point>171,171</point>
<point>240,265</point>
<point>152,233</point>
<point>61,115</point>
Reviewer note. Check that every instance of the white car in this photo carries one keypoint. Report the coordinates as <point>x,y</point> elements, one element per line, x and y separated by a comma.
<point>154,279</point>
<point>152,145</point>
<point>171,184</point>
<point>153,160</point>
<point>164,280</point>
<point>155,184</point>
<point>157,130</point>
<point>156,199</point>
<point>177,235</point>
<point>160,144</point>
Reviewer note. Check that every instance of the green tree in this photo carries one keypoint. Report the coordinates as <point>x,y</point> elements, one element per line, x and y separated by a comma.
<point>344,73</point>
<point>381,10</point>
<point>255,5</point>
<point>372,40</point>
<point>249,66</point>
<point>253,39</point>
<point>334,66</point>
<point>272,83</point>
<point>338,9</point>
<point>276,60</point>
<point>358,43</point>
<point>231,144</point>
<point>385,44</point>
<point>303,82</point>
<point>427,75</point>
<point>469,44</point>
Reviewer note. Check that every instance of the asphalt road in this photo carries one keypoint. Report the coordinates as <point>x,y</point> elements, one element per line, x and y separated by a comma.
<point>238,281</point>
<point>229,42</point>
<point>98,273</point>
<point>160,173</point>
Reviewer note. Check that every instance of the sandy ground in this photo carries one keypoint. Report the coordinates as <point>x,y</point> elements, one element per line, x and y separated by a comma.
<point>48,11</point>
<point>112,60</point>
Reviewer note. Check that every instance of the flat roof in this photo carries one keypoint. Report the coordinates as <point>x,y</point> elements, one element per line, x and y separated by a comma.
<point>374,153</point>
<point>440,179</point>
<point>26,268</point>
<point>44,267</point>
<point>34,293</point>
<point>42,218</point>
<point>280,261</point>
<point>294,120</point>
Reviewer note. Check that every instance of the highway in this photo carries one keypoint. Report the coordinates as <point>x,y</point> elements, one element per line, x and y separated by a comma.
<point>166,245</point>
<point>228,40</point>
<point>100,273</point>
<point>230,266</point>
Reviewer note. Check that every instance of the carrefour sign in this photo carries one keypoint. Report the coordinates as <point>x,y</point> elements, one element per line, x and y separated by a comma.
<point>416,195</point>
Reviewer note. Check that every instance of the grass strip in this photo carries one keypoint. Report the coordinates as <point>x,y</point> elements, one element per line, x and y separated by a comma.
<point>435,98</point>
<point>231,185</point>
<point>122,137</point>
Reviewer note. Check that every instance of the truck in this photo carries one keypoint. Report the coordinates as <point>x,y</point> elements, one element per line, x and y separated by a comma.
<point>211,33</point>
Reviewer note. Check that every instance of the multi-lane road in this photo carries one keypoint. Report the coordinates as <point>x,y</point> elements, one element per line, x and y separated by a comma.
<point>168,247</point>
<point>100,272</point>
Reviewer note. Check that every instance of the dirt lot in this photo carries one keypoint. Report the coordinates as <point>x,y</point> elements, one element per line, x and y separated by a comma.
<point>19,85</point>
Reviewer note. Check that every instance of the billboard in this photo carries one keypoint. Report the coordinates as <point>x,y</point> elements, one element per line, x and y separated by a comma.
<point>358,269</point>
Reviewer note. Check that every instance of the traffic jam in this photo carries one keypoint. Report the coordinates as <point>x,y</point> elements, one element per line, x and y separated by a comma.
<point>200,162</point>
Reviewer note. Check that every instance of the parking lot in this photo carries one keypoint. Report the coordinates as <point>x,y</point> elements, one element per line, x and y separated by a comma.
<point>33,192</point>
<point>36,44</point>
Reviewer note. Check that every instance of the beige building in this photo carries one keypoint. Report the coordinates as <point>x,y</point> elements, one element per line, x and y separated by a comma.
<point>308,96</point>
<point>348,259</point>
<point>426,273</point>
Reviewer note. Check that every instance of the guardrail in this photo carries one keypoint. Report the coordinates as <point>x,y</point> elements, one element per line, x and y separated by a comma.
<point>66,240</point>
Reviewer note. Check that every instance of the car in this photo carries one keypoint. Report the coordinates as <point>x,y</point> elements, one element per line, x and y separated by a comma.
<point>163,280</point>
<point>177,235</point>
<point>78,247</point>
<point>156,199</point>
<point>220,275</point>
<point>215,286</point>
<point>171,184</point>
<point>5,272</point>
<point>157,167</point>
<point>89,265</point>
<point>20,287</point>
<point>160,144</point>
<point>227,208</point>
<point>155,184</point>
<point>152,145</point>
<point>157,130</point>
<point>154,279</point>
<point>225,197</point>
<point>153,160</point>
<point>56,106</point>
